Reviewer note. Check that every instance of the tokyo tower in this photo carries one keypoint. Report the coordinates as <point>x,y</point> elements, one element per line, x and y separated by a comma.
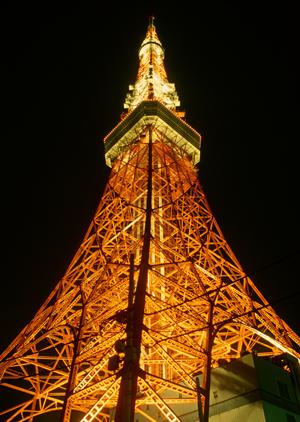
<point>154,298</point>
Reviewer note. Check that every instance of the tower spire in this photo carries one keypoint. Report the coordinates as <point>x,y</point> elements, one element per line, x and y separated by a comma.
<point>152,82</point>
<point>151,20</point>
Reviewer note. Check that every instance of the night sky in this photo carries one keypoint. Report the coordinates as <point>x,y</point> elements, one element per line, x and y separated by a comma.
<point>65,73</point>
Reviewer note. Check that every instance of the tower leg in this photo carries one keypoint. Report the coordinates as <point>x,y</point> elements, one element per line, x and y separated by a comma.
<point>207,368</point>
<point>66,410</point>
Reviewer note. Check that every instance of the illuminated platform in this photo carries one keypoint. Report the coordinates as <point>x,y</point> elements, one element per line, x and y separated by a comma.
<point>164,120</point>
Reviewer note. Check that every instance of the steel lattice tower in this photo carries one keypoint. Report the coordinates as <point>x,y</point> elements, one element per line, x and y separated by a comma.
<point>154,296</point>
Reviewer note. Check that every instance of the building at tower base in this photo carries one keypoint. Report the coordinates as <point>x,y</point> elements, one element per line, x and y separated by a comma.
<point>249,389</point>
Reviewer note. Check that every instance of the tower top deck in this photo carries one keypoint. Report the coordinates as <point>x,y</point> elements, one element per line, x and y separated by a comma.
<point>152,82</point>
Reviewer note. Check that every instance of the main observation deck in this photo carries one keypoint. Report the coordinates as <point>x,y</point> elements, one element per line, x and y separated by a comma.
<point>156,114</point>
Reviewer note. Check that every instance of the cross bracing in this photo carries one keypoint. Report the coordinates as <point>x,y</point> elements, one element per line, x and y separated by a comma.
<point>65,350</point>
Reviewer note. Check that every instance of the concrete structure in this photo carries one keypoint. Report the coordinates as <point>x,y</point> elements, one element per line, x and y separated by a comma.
<point>249,389</point>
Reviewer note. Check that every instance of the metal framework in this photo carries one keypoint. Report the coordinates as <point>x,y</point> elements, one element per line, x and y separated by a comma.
<point>153,297</point>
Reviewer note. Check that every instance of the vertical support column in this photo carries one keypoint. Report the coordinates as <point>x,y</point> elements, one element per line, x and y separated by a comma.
<point>128,388</point>
<point>66,411</point>
<point>205,387</point>
<point>33,408</point>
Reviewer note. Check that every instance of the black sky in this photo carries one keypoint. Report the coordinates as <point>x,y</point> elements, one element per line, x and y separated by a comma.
<point>65,73</point>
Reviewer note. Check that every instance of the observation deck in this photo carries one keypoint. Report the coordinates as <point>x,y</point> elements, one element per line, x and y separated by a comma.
<point>161,118</point>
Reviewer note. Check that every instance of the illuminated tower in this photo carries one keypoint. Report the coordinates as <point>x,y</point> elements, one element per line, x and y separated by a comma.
<point>154,297</point>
